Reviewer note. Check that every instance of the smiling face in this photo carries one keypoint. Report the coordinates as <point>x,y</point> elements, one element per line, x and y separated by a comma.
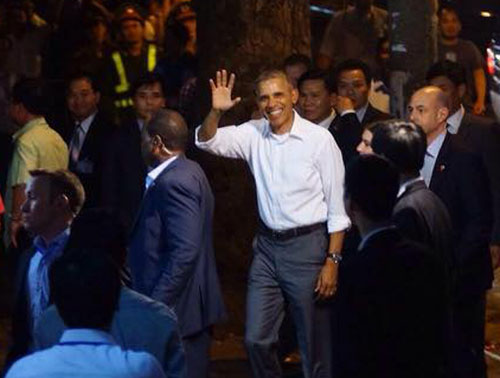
<point>315,101</point>
<point>275,99</point>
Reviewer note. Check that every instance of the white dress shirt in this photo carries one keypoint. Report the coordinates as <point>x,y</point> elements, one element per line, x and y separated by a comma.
<point>299,176</point>
<point>455,120</point>
<point>328,120</point>
<point>431,156</point>
<point>74,150</point>
<point>87,353</point>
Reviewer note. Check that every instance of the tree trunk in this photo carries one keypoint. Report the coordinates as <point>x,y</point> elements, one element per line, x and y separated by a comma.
<point>413,47</point>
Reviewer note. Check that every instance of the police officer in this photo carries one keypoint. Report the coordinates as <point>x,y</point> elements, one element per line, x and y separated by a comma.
<point>126,65</point>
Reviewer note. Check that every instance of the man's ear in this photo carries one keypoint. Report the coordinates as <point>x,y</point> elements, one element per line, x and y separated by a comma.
<point>443,113</point>
<point>97,97</point>
<point>333,99</point>
<point>295,95</point>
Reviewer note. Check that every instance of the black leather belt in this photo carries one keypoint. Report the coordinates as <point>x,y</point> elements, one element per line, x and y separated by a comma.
<point>291,232</point>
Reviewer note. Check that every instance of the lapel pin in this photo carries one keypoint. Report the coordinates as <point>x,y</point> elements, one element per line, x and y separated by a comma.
<point>442,167</point>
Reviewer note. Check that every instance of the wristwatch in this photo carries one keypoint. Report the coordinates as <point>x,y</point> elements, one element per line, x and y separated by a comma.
<point>335,257</point>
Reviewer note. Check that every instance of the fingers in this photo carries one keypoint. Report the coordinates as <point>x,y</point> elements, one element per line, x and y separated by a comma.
<point>236,100</point>
<point>224,78</point>
<point>212,85</point>
<point>218,78</point>
<point>230,85</point>
<point>221,80</point>
<point>324,290</point>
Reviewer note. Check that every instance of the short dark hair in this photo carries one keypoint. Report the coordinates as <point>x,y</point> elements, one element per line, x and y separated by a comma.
<point>100,228</point>
<point>455,72</point>
<point>271,73</point>
<point>372,183</point>
<point>351,65</point>
<point>82,75</point>
<point>403,143</point>
<point>32,94</point>
<point>449,8</point>
<point>316,74</point>
<point>148,79</point>
<point>85,286</point>
<point>63,182</point>
<point>171,127</point>
<point>297,58</point>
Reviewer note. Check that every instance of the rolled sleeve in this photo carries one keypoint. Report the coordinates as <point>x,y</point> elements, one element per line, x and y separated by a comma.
<point>331,170</point>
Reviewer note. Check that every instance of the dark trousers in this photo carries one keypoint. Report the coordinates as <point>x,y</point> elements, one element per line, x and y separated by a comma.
<point>197,352</point>
<point>288,270</point>
<point>468,336</point>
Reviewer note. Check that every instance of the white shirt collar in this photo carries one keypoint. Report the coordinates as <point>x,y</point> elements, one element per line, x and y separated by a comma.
<point>406,184</point>
<point>435,146</point>
<point>328,120</point>
<point>153,175</point>
<point>365,238</point>
<point>298,130</point>
<point>455,120</point>
<point>360,113</point>
<point>86,335</point>
<point>141,123</point>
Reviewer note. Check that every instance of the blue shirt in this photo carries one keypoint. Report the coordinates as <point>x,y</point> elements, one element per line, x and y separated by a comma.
<point>38,281</point>
<point>430,157</point>
<point>87,353</point>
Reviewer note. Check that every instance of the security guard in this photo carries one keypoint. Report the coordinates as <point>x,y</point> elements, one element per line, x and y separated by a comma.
<point>132,61</point>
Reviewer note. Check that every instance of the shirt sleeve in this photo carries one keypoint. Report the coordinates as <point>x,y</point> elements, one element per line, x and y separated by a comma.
<point>230,141</point>
<point>477,61</point>
<point>331,170</point>
<point>24,160</point>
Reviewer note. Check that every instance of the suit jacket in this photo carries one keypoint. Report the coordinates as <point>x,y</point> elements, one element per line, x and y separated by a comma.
<point>347,130</point>
<point>171,254</point>
<point>139,324</point>
<point>89,166</point>
<point>460,181</point>
<point>482,136</point>
<point>124,172</point>
<point>392,311</point>
<point>422,217</point>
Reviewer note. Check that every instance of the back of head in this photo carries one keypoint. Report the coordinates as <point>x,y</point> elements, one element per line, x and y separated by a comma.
<point>403,143</point>
<point>372,184</point>
<point>100,229</point>
<point>351,65</point>
<point>171,127</point>
<point>454,71</point>
<point>32,94</point>
<point>85,286</point>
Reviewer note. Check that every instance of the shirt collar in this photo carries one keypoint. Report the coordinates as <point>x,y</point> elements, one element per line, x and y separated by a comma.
<point>297,129</point>
<point>360,113</point>
<point>56,245</point>
<point>435,146</point>
<point>27,127</point>
<point>404,186</point>
<point>373,232</point>
<point>85,124</point>
<point>140,123</point>
<point>153,175</point>
<point>328,120</point>
<point>455,120</point>
<point>86,335</point>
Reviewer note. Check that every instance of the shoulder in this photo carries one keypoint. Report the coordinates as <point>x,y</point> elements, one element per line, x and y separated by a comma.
<point>139,364</point>
<point>35,364</point>
<point>131,300</point>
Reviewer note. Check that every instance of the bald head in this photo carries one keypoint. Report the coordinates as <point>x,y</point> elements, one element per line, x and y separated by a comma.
<point>171,128</point>
<point>435,95</point>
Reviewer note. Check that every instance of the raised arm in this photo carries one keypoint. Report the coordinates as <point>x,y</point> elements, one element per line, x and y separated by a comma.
<point>221,102</point>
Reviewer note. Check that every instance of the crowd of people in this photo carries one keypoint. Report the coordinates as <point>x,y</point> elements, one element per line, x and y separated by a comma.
<point>377,236</point>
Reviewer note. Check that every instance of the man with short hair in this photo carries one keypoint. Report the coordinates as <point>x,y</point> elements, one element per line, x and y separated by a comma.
<point>480,134</point>
<point>317,98</point>
<point>464,52</point>
<point>87,132</point>
<point>36,146</point>
<point>298,173</point>
<point>391,303</point>
<point>53,199</point>
<point>124,170</point>
<point>458,178</point>
<point>171,256</point>
<point>85,286</point>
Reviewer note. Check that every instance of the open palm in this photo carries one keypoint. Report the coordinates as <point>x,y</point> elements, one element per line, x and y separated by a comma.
<point>221,91</point>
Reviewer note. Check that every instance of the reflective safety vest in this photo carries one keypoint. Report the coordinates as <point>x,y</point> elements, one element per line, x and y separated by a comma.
<point>123,86</point>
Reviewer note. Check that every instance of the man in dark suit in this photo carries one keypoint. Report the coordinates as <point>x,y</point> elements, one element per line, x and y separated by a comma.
<point>479,134</point>
<point>87,133</point>
<point>352,79</point>
<point>171,255</point>
<point>419,214</point>
<point>391,301</point>
<point>457,176</point>
<point>124,169</point>
<point>53,199</point>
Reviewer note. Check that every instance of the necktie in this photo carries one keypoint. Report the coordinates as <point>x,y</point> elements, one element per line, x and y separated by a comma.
<point>76,143</point>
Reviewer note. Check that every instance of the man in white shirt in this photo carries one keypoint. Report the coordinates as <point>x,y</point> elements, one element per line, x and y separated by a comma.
<point>317,98</point>
<point>299,174</point>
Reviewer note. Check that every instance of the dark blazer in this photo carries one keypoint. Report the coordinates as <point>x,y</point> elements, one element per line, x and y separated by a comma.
<point>124,172</point>
<point>171,254</point>
<point>347,130</point>
<point>21,333</point>
<point>482,136</point>
<point>460,181</point>
<point>422,217</point>
<point>90,161</point>
<point>392,311</point>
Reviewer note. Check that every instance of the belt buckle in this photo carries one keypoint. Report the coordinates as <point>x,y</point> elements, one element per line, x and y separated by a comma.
<point>279,234</point>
